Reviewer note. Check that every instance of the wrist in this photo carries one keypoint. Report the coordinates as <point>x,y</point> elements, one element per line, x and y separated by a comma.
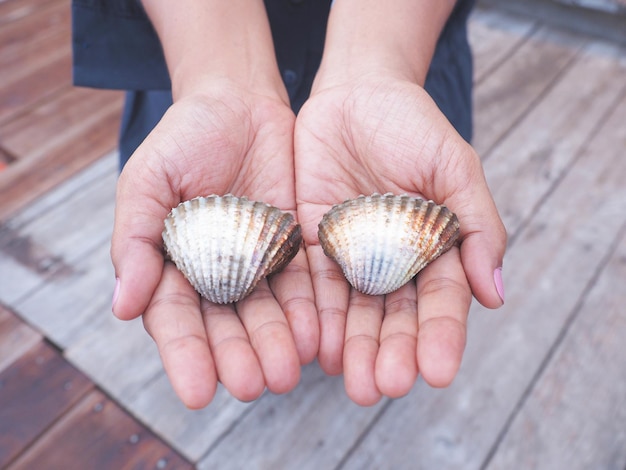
<point>373,38</point>
<point>186,83</point>
<point>214,42</point>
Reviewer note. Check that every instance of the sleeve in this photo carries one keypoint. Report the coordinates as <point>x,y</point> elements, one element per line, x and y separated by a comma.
<point>449,79</point>
<point>115,46</point>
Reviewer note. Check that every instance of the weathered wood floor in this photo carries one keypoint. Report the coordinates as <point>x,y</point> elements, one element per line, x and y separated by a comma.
<point>48,128</point>
<point>543,381</point>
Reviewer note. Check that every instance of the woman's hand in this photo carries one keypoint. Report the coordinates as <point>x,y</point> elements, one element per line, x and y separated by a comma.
<point>381,134</point>
<point>231,142</point>
<point>230,130</point>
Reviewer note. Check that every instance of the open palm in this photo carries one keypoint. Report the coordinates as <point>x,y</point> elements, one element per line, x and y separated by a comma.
<point>389,136</point>
<point>231,141</point>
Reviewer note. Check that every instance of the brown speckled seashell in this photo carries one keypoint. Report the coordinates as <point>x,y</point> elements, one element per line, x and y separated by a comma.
<point>224,245</point>
<point>382,241</point>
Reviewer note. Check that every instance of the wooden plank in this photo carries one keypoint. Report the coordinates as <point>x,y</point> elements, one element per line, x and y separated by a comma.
<point>552,261</point>
<point>119,356</point>
<point>80,223</point>
<point>310,428</point>
<point>25,82</point>
<point>506,95</point>
<point>97,434</point>
<point>586,22</point>
<point>610,6</point>
<point>23,19</point>
<point>14,10</point>
<point>34,392</point>
<point>75,188</point>
<point>69,116</point>
<point>494,35</point>
<point>16,337</point>
<point>26,56</point>
<point>546,143</point>
<point>42,83</point>
<point>156,405</point>
<point>52,243</point>
<point>45,240</point>
<point>73,302</point>
<point>26,179</point>
<point>574,417</point>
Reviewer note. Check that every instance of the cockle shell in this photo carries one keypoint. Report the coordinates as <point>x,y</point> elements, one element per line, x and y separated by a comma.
<point>224,245</point>
<point>382,241</point>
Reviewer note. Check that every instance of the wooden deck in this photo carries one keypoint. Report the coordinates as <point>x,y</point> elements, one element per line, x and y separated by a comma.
<point>48,128</point>
<point>543,381</point>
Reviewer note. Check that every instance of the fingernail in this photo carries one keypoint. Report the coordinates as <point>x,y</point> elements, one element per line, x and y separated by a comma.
<point>497,279</point>
<point>116,292</point>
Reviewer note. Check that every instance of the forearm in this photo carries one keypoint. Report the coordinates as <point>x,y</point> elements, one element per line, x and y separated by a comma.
<point>209,41</point>
<point>372,37</point>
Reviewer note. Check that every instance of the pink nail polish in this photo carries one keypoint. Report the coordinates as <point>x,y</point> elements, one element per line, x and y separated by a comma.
<point>116,291</point>
<point>497,279</point>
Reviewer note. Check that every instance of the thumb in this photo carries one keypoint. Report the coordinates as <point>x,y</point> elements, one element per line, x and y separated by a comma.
<point>482,251</point>
<point>483,235</point>
<point>136,244</point>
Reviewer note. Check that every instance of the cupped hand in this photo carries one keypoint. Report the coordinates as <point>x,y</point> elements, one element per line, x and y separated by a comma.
<point>225,140</point>
<point>387,135</point>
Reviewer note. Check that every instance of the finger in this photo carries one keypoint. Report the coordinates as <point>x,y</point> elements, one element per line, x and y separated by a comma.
<point>443,301</point>
<point>271,338</point>
<point>173,320</point>
<point>483,235</point>
<point>294,291</point>
<point>331,297</point>
<point>396,364</point>
<point>136,244</point>
<point>482,252</point>
<point>365,315</point>
<point>237,365</point>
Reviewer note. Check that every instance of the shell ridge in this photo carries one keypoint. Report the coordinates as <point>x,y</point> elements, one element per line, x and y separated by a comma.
<point>396,274</point>
<point>215,241</point>
<point>422,236</point>
<point>259,244</point>
<point>391,214</point>
<point>385,211</point>
<point>235,264</point>
<point>208,266</point>
<point>431,245</point>
<point>271,238</point>
<point>360,274</point>
<point>382,242</point>
<point>204,224</point>
<point>281,243</point>
<point>183,227</point>
<point>219,261</point>
<point>403,210</point>
<point>424,239</point>
<point>356,270</point>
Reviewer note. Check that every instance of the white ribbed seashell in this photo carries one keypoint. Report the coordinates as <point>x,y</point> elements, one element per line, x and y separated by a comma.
<point>382,241</point>
<point>224,245</point>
